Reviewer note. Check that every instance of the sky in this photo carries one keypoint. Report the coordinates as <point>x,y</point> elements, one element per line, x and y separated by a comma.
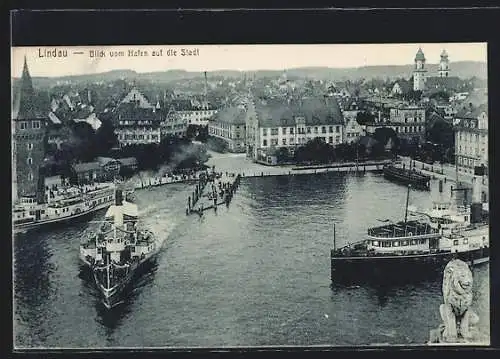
<point>236,57</point>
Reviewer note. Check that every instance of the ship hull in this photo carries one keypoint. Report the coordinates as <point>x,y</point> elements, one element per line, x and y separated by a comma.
<point>50,223</point>
<point>406,177</point>
<point>113,296</point>
<point>345,269</point>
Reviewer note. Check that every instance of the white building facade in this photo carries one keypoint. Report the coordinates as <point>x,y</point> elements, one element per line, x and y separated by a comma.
<point>471,140</point>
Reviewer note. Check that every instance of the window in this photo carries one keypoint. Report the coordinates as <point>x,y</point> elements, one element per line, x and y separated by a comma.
<point>283,130</point>
<point>291,141</point>
<point>264,143</point>
<point>291,130</point>
<point>36,124</point>
<point>274,142</point>
<point>309,130</point>
<point>264,132</point>
<point>274,132</point>
<point>337,129</point>
<point>284,141</point>
<point>330,139</point>
<point>330,129</point>
<point>30,161</point>
<point>30,146</point>
<point>30,176</point>
<point>323,129</point>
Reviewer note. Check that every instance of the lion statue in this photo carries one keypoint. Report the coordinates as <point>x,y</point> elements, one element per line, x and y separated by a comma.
<point>458,318</point>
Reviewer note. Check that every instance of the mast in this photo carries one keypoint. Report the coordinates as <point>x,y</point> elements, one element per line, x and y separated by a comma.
<point>334,244</point>
<point>407,200</point>
<point>107,268</point>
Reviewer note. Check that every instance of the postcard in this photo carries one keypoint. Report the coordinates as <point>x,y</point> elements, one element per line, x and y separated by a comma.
<point>235,196</point>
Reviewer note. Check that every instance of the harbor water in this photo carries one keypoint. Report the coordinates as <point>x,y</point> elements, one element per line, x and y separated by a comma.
<point>256,273</point>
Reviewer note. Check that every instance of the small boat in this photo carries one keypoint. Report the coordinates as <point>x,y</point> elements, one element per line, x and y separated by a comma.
<point>413,249</point>
<point>117,250</point>
<point>64,204</point>
<point>407,176</point>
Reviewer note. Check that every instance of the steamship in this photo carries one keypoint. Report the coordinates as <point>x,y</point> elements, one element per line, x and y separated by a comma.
<point>117,250</point>
<point>407,176</point>
<point>61,204</point>
<point>412,248</point>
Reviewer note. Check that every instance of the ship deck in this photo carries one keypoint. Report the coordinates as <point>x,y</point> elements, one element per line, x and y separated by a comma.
<point>403,229</point>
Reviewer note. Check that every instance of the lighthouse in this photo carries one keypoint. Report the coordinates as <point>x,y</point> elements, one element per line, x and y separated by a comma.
<point>444,65</point>
<point>419,71</point>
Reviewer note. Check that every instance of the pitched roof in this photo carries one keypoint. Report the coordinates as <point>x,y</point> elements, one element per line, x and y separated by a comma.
<point>26,105</point>
<point>105,160</point>
<point>129,111</point>
<point>315,112</point>
<point>128,161</point>
<point>443,83</point>
<point>404,85</point>
<point>233,115</point>
<point>54,119</point>
<point>87,166</point>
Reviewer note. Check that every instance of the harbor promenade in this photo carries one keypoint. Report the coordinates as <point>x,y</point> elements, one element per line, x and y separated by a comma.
<point>239,164</point>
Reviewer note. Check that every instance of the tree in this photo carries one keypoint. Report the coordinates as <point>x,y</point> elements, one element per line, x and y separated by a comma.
<point>105,138</point>
<point>413,96</point>
<point>384,134</point>
<point>282,155</point>
<point>315,151</point>
<point>365,118</point>
<point>440,96</point>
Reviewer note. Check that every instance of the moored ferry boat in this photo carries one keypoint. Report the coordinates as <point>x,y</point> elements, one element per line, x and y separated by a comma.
<point>117,250</point>
<point>62,204</point>
<point>411,249</point>
<point>407,176</point>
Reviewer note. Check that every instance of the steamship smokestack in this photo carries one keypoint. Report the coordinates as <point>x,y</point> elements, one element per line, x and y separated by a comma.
<point>476,208</point>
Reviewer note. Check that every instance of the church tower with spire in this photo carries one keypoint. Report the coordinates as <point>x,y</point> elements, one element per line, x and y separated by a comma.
<point>444,65</point>
<point>419,72</point>
<point>28,147</point>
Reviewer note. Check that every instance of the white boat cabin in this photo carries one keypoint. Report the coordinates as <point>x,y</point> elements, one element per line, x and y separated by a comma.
<point>403,238</point>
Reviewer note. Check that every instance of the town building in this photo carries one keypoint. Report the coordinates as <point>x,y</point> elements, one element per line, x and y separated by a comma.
<point>103,169</point>
<point>273,124</point>
<point>128,165</point>
<point>419,72</point>
<point>401,88</point>
<point>85,173</point>
<point>110,168</point>
<point>229,126</point>
<point>136,121</point>
<point>353,130</point>
<point>471,139</point>
<point>28,144</point>
<point>408,122</point>
<point>193,112</point>
<point>173,124</point>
